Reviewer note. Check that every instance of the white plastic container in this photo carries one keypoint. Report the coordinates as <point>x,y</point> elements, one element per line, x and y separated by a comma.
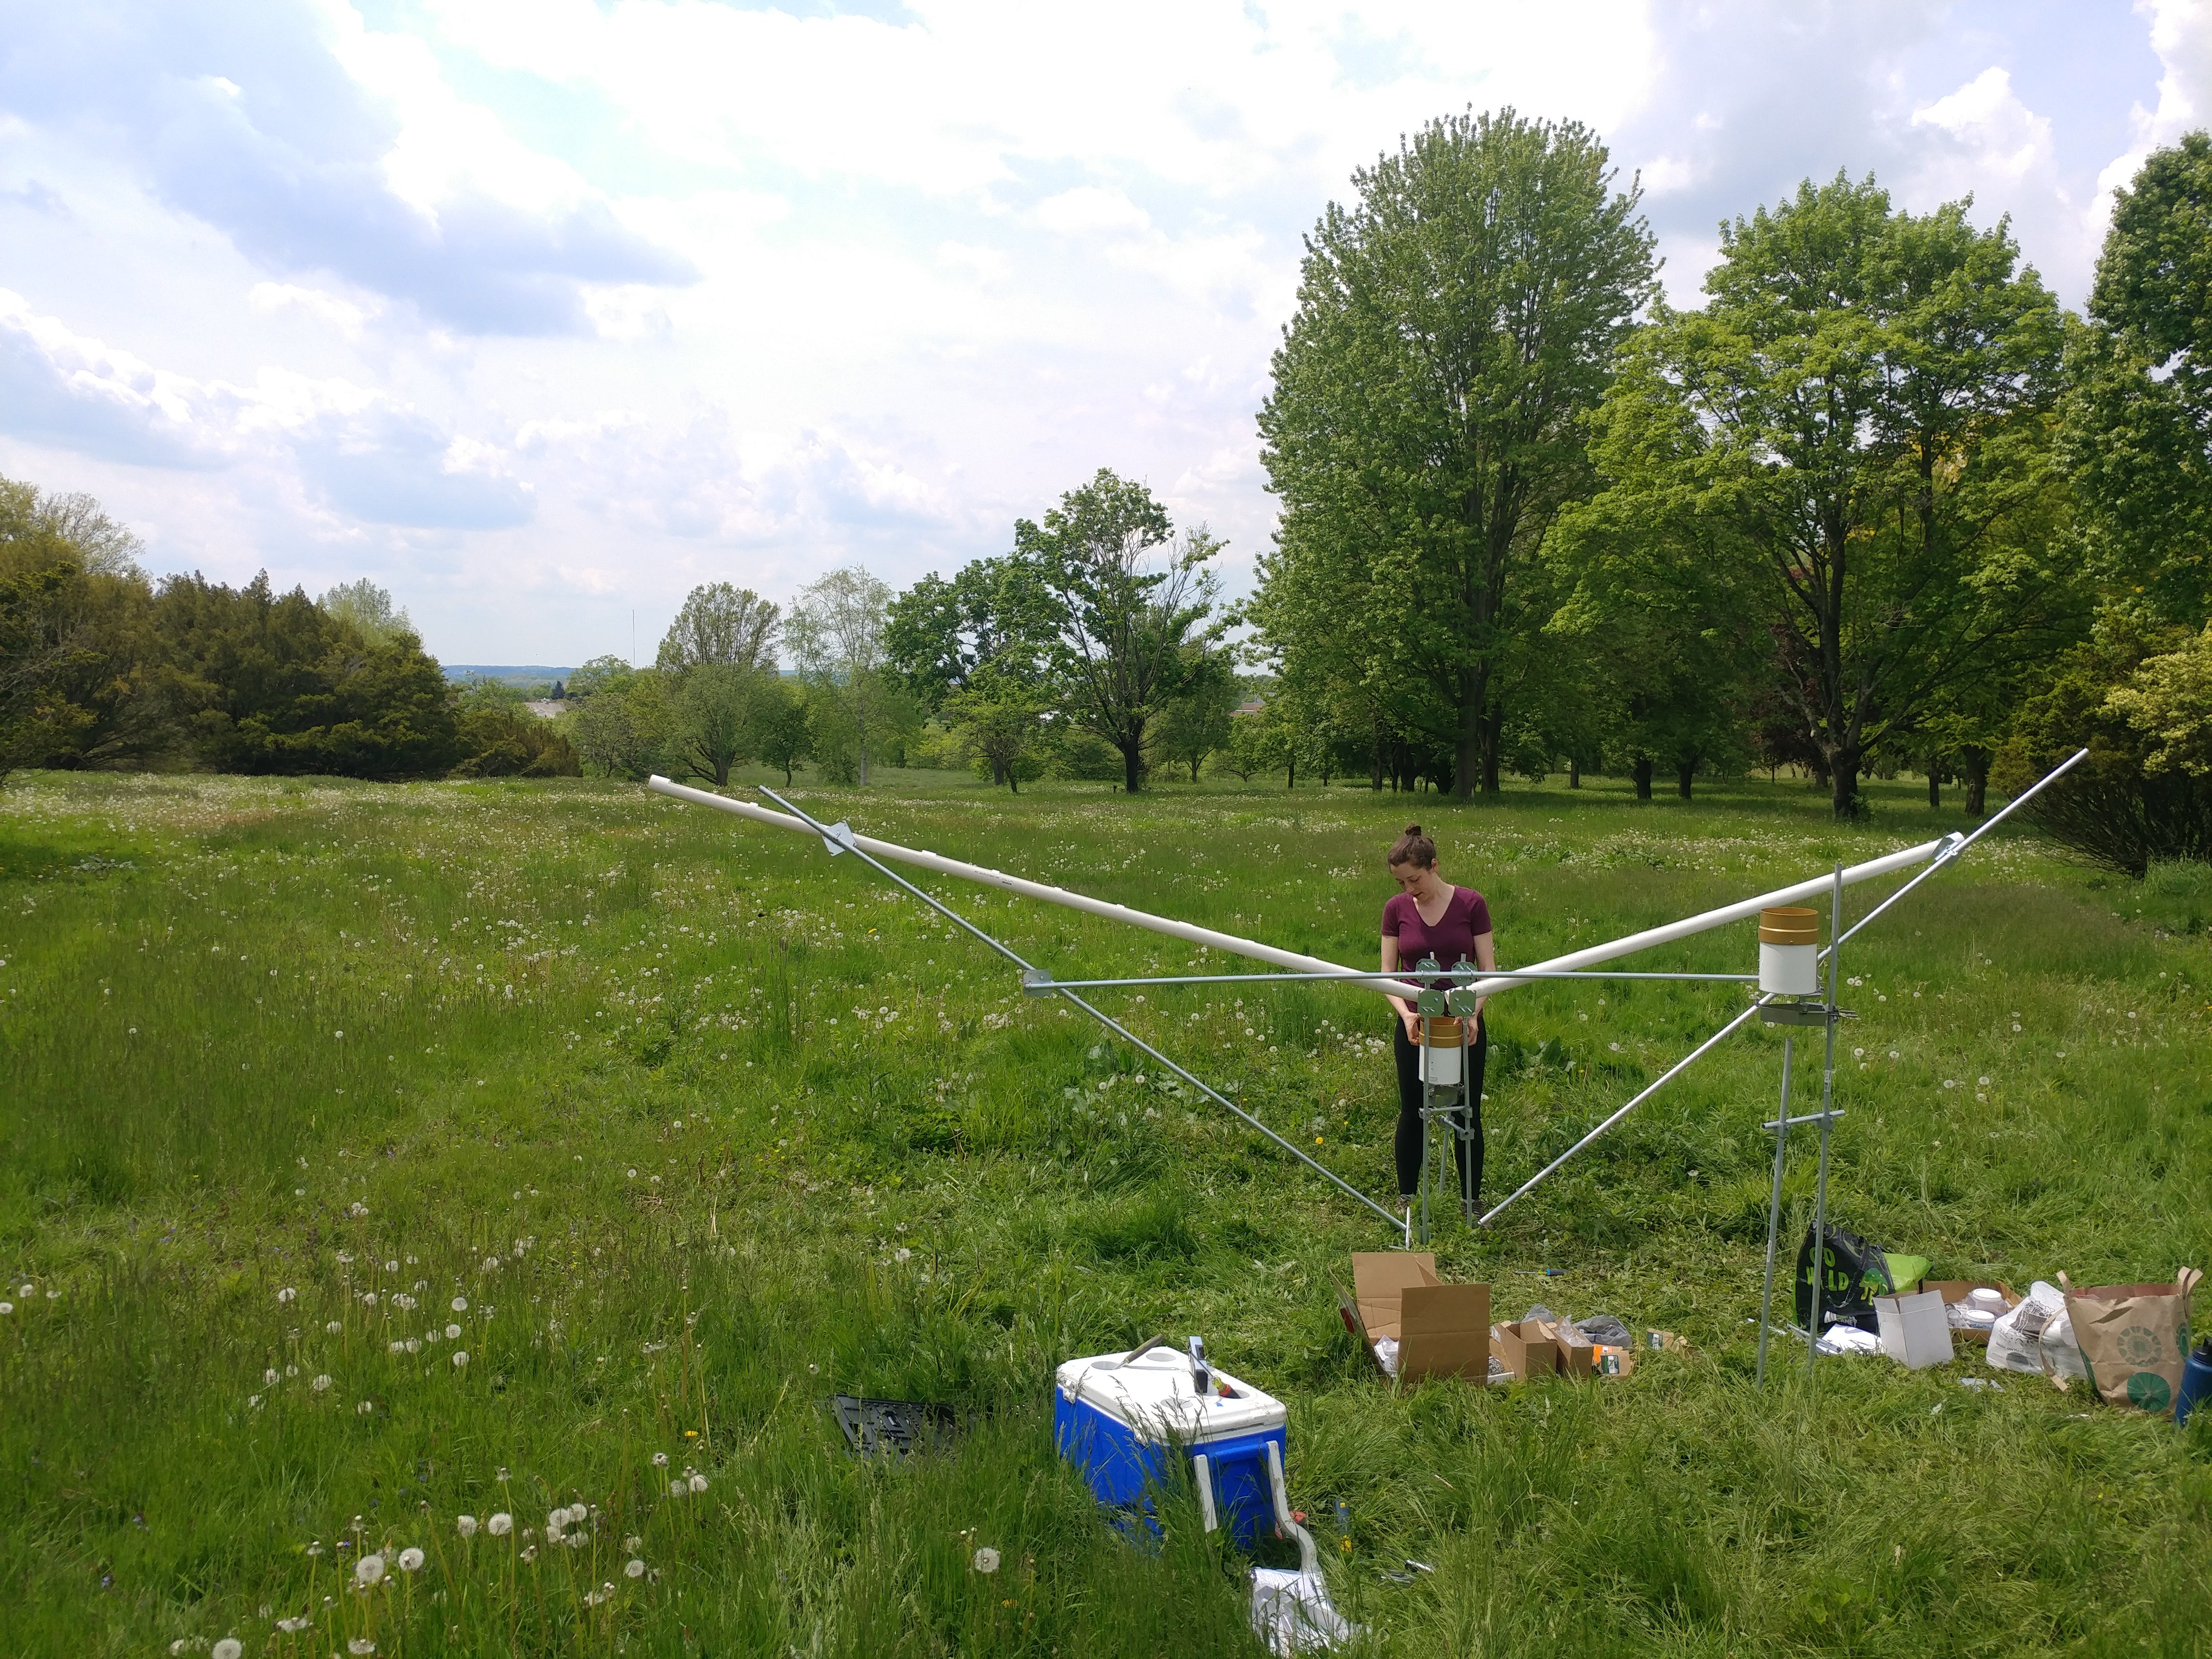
<point>1443,1051</point>
<point>1914,1331</point>
<point>1789,951</point>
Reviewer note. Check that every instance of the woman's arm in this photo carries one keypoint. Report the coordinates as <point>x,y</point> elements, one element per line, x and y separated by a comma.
<point>1486,957</point>
<point>1406,1011</point>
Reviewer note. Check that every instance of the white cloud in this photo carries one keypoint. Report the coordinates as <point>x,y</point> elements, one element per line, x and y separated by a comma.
<point>342,314</point>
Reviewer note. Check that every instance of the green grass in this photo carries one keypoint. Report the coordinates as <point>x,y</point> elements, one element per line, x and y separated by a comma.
<point>703,1126</point>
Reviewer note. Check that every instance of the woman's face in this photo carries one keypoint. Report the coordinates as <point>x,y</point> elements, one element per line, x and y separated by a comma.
<point>1421,882</point>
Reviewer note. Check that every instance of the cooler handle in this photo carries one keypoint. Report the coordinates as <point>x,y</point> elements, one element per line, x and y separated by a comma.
<point>1308,1562</point>
<point>1204,1472</point>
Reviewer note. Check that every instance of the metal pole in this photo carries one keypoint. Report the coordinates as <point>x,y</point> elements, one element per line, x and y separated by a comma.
<point>1045,984</point>
<point>1957,844</point>
<point>1827,1108</point>
<point>1127,1035</point>
<point>1665,1078</point>
<point>1774,1203</point>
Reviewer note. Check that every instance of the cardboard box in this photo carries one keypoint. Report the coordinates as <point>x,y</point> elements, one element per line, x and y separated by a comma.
<point>1524,1350</point>
<point>1954,1290</point>
<point>1442,1330</point>
<point>1577,1353</point>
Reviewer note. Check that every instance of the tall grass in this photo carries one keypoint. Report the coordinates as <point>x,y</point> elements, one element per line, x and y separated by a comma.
<point>681,1127</point>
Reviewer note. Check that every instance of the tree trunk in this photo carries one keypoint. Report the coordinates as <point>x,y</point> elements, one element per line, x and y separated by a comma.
<point>1292,782</point>
<point>1935,789</point>
<point>1375,770</point>
<point>1643,777</point>
<point>1493,742</point>
<point>1574,773</point>
<point>1684,771</point>
<point>1978,781</point>
<point>1467,742</point>
<point>1133,761</point>
<point>1844,785</point>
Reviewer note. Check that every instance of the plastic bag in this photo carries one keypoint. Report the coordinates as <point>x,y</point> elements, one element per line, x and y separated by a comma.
<point>1855,1273</point>
<point>2015,1340</point>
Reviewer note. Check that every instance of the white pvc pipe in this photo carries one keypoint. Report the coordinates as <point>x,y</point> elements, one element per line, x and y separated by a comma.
<point>1740,910</point>
<point>1036,889</point>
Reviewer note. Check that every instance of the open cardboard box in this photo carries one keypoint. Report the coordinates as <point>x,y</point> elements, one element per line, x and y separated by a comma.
<point>1954,1290</point>
<point>1442,1330</point>
<point>1533,1347</point>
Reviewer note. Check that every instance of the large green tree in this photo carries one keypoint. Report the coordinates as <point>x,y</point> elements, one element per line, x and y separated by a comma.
<point>1454,325</point>
<point>1129,607</point>
<point>2139,416</point>
<point>720,623</point>
<point>1860,415</point>
<point>836,632</point>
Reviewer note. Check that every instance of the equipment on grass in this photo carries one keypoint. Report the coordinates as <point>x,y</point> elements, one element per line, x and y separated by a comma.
<point>1774,1004</point>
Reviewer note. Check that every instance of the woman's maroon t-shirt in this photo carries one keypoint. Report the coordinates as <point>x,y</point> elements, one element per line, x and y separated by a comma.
<point>1449,937</point>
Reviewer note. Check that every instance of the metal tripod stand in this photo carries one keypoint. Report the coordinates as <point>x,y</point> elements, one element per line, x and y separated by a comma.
<point>1447,1109</point>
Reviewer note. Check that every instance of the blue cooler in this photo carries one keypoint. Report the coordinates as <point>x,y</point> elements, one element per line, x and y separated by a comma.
<point>1120,1421</point>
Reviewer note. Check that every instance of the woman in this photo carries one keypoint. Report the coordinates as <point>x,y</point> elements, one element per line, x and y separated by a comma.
<point>1429,917</point>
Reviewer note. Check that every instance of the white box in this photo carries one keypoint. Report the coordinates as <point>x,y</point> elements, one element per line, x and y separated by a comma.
<point>1914,1332</point>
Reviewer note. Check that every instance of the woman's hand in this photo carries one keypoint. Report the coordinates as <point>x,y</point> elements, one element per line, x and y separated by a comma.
<point>1412,1021</point>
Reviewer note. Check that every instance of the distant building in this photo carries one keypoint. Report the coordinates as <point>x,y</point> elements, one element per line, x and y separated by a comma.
<point>545,710</point>
<point>1250,706</point>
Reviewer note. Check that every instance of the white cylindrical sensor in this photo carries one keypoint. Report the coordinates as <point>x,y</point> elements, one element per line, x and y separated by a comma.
<point>1444,1050</point>
<point>1789,951</point>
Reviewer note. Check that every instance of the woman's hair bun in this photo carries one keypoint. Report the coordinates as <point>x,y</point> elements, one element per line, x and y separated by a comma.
<point>1414,848</point>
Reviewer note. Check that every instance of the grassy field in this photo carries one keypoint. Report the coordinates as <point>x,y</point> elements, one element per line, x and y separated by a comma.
<point>374,1158</point>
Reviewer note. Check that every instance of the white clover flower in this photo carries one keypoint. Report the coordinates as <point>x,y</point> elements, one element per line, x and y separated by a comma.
<point>633,1568</point>
<point>986,1560</point>
<point>465,1525</point>
<point>321,1383</point>
<point>288,1294</point>
<point>500,1525</point>
<point>460,1304</point>
<point>452,1331</point>
<point>369,1570</point>
<point>410,1559</point>
<point>460,1357</point>
<point>698,1481</point>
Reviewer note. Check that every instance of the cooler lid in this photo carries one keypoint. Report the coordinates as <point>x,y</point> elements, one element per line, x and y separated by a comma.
<point>1153,1396</point>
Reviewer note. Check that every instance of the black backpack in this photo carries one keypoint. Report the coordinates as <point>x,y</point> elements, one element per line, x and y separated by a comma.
<point>1855,1273</point>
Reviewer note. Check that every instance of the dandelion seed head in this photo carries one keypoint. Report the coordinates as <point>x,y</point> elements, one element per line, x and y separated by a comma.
<point>410,1559</point>
<point>369,1570</point>
<point>460,1304</point>
<point>986,1560</point>
<point>698,1481</point>
<point>676,1488</point>
<point>460,1357</point>
<point>288,1294</point>
<point>661,1459</point>
<point>360,1646</point>
<point>500,1524</point>
<point>452,1331</point>
<point>229,1648</point>
<point>465,1525</point>
<point>321,1383</point>
<point>633,1568</point>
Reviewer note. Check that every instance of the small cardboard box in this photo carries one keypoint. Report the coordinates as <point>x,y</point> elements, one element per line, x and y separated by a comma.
<point>1442,1330</point>
<point>1524,1350</point>
<point>1954,1290</point>
<point>1577,1353</point>
<point>1913,1331</point>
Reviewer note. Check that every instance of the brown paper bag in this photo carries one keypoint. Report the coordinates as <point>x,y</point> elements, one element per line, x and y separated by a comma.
<point>2135,1338</point>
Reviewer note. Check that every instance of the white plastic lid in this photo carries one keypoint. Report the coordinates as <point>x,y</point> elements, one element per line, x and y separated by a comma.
<point>1154,1396</point>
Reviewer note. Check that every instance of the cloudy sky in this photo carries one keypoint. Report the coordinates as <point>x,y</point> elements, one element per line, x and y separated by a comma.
<point>540,312</point>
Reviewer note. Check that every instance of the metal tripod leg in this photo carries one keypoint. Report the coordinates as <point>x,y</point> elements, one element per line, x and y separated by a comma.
<point>1774,1206</point>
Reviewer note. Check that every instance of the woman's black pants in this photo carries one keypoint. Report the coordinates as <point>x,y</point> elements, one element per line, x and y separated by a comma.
<point>1410,1092</point>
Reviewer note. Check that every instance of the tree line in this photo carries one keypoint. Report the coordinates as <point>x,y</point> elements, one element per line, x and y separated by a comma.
<point>1878,502</point>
